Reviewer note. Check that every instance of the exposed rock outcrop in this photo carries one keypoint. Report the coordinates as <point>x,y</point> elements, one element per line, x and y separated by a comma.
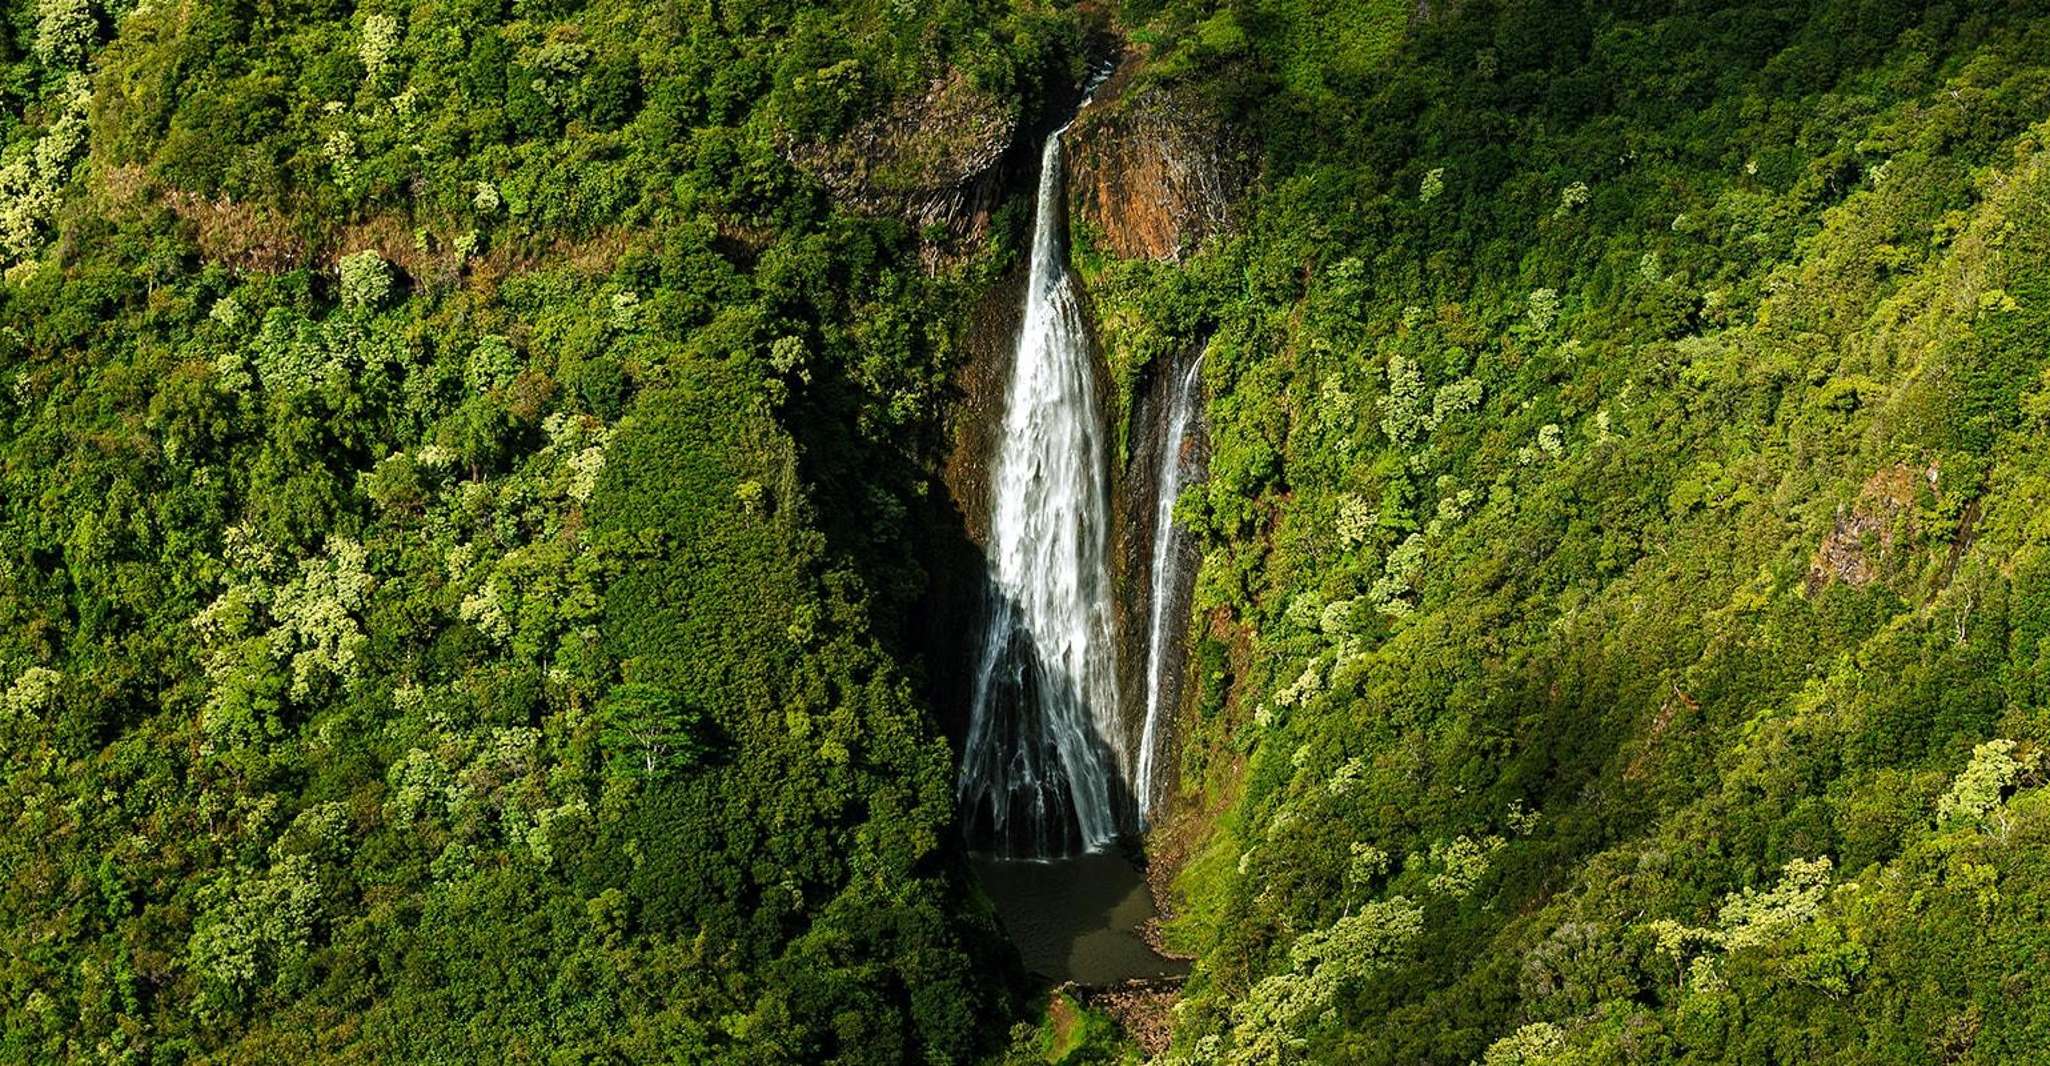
<point>1863,541</point>
<point>1152,171</point>
<point>1135,527</point>
<point>931,158</point>
<point>1144,1009</point>
<point>952,610</point>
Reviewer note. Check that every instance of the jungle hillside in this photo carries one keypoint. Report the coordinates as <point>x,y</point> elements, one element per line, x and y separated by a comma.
<point>495,497</point>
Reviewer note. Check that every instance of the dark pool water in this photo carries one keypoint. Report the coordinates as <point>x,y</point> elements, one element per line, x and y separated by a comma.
<point>1077,919</point>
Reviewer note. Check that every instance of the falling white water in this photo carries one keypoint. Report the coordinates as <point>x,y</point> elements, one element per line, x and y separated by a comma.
<point>1040,772</point>
<point>1175,466</point>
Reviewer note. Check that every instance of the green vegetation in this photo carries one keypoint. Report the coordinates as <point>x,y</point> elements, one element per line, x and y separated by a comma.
<point>456,516</point>
<point>1622,624</point>
<point>466,499</point>
<point>1068,1032</point>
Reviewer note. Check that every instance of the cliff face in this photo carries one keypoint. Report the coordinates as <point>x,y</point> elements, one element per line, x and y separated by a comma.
<point>952,612</point>
<point>1135,527</point>
<point>1150,174</point>
<point>1153,171</point>
<point>932,158</point>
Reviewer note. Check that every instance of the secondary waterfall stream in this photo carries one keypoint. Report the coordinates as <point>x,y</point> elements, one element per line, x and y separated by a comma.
<point>1166,601</point>
<point>1041,772</point>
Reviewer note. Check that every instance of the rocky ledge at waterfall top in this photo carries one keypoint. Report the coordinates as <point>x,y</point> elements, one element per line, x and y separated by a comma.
<point>1154,171</point>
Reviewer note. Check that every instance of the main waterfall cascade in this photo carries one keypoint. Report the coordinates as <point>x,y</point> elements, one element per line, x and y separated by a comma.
<point>1041,774</point>
<point>1165,606</point>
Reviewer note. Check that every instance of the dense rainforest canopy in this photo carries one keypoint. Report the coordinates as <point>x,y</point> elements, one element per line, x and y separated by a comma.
<point>470,503</point>
<point>456,493</point>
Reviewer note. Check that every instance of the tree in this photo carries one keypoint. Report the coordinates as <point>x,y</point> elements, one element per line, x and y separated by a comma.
<point>366,281</point>
<point>649,731</point>
<point>1979,788</point>
<point>64,30</point>
<point>1271,1023</point>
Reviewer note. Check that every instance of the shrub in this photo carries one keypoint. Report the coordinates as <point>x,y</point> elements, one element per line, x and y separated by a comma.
<point>366,281</point>
<point>64,32</point>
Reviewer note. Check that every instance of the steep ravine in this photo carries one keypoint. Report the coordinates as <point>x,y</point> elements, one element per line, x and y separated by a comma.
<point>1149,174</point>
<point>1143,179</point>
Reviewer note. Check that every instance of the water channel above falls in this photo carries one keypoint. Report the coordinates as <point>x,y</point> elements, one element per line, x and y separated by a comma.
<point>1057,766</point>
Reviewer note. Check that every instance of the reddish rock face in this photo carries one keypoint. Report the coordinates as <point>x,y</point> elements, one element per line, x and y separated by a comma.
<point>1152,173</point>
<point>1862,544</point>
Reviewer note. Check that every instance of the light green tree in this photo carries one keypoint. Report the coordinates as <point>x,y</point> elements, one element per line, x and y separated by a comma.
<point>64,31</point>
<point>1405,414</point>
<point>379,43</point>
<point>1271,1025</point>
<point>33,692</point>
<point>1528,1046</point>
<point>1433,185</point>
<point>366,281</point>
<point>249,928</point>
<point>1754,917</point>
<point>1462,862</point>
<point>1980,787</point>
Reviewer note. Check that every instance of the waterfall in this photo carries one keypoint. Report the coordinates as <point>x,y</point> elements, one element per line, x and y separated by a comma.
<point>1040,771</point>
<point>1164,606</point>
